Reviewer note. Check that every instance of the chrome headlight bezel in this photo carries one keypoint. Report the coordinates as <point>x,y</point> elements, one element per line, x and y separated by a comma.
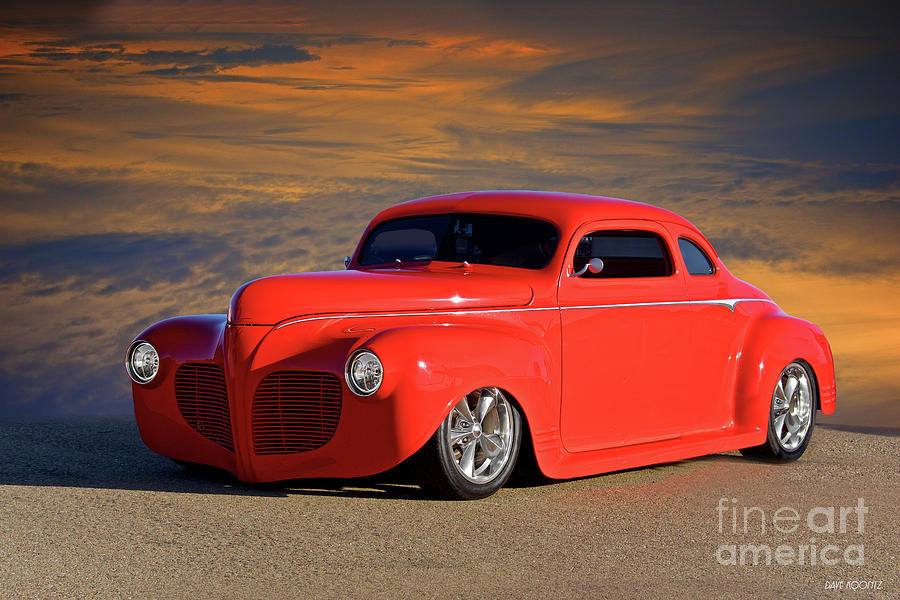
<point>351,373</point>
<point>138,373</point>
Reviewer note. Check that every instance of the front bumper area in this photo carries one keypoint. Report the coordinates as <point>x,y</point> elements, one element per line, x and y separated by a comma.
<point>335,433</point>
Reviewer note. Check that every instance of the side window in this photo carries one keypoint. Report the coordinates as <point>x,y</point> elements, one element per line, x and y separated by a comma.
<point>627,253</point>
<point>695,259</point>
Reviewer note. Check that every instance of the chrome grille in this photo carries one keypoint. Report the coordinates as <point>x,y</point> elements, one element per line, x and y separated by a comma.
<point>203,401</point>
<point>295,411</point>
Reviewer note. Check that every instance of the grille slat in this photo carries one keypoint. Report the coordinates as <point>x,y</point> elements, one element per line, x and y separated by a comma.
<point>295,411</point>
<point>203,401</point>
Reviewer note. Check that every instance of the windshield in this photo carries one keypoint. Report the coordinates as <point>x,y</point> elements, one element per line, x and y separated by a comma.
<point>476,238</point>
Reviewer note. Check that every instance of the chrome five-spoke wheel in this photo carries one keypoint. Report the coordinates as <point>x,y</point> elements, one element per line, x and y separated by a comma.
<point>478,436</point>
<point>792,407</point>
<point>791,416</point>
<point>473,452</point>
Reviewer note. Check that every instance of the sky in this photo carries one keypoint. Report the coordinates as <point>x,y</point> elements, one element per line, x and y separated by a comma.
<point>156,155</point>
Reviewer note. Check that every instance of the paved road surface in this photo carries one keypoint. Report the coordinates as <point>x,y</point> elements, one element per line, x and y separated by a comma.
<point>87,511</point>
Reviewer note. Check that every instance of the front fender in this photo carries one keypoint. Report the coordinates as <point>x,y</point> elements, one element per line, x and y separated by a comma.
<point>772,342</point>
<point>180,339</point>
<point>427,369</point>
<point>197,338</point>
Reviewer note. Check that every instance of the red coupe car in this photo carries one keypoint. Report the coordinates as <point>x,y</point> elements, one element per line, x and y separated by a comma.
<point>592,333</point>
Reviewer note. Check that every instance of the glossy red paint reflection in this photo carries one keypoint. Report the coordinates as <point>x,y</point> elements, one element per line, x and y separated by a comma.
<point>608,373</point>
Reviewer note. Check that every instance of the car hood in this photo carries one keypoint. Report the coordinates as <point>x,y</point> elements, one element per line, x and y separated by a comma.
<point>270,300</point>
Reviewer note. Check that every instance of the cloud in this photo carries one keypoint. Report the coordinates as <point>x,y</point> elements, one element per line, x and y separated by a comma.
<point>227,58</point>
<point>195,70</point>
<point>800,96</point>
<point>415,43</point>
<point>846,238</point>
<point>106,39</point>
<point>745,243</point>
<point>189,60</point>
<point>142,179</point>
<point>622,74</point>
<point>114,262</point>
<point>92,54</point>
<point>837,140</point>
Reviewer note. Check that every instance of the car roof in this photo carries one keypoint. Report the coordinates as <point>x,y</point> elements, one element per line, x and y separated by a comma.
<point>566,211</point>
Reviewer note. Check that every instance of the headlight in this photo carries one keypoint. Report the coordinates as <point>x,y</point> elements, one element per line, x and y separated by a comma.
<point>142,362</point>
<point>363,373</point>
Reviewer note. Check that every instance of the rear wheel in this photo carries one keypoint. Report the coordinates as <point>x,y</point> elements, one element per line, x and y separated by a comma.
<point>792,415</point>
<point>474,451</point>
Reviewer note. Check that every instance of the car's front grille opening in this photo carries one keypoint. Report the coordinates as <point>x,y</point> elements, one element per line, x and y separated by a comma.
<point>295,411</point>
<point>203,401</point>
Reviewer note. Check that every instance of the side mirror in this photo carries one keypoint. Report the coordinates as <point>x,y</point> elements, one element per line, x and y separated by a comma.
<point>595,265</point>
<point>346,262</point>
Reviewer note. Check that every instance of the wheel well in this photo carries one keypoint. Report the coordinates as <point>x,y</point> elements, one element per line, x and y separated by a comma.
<point>815,380</point>
<point>526,465</point>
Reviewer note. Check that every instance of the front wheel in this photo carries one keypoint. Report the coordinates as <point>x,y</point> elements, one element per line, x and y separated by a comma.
<point>474,451</point>
<point>792,415</point>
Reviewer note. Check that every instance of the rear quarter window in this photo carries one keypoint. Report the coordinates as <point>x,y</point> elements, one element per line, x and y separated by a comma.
<point>695,259</point>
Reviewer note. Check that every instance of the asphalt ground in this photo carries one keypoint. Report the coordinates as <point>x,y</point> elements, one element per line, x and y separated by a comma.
<point>86,511</point>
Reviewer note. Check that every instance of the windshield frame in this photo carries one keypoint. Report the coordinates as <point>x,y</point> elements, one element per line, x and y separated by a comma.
<point>373,229</point>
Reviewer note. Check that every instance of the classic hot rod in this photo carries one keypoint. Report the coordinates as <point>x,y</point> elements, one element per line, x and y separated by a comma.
<point>591,333</point>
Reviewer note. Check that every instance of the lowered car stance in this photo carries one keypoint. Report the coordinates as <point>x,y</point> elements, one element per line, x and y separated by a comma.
<point>471,331</point>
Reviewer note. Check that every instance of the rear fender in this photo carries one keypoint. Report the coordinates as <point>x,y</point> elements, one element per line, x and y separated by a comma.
<point>772,342</point>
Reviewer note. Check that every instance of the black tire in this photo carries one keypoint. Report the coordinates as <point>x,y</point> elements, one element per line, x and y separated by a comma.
<point>185,464</point>
<point>196,468</point>
<point>436,469</point>
<point>773,449</point>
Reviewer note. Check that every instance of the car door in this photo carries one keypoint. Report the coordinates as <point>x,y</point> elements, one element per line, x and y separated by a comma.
<point>716,332</point>
<point>623,337</point>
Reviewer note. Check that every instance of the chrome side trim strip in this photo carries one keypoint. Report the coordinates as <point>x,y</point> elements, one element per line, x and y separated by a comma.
<point>416,314</point>
<point>728,303</point>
